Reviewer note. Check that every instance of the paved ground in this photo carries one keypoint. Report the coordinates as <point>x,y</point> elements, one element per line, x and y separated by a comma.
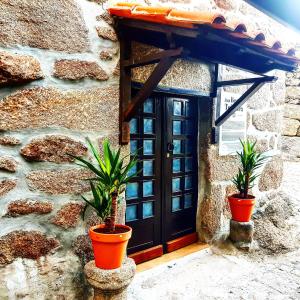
<point>205,275</point>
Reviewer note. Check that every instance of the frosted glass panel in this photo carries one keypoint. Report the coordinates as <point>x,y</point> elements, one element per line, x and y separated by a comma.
<point>133,126</point>
<point>147,188</point>
<point>187,201</point>
<point>148,126</point>
<point>177,146</point>
<point>175,203</point>
<point>131,190</point>
<point>147,209</point>
<point>177,127</point>
<point>131,213</point>
<point>175,185</point>
<point>148,147</point>
<point>177,108</point>
<point>188,182</point>
<point>133,147</point>
<point>176,165</point>
<point>148,167</point>
<point>188,164</point>
<point>148,106</point>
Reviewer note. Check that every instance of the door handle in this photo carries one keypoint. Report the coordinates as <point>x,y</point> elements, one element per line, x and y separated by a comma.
<point>170,147</point>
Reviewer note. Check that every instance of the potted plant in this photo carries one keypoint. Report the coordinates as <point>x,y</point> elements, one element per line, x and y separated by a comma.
<point>110,175</point>
<point>242,204</point>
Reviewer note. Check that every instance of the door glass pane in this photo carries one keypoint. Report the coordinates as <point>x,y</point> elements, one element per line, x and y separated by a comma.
<point>133,147</point>
<point>177,108</point>
<point>175,203</point>
<point>133,170</point>
<point>147,188</point>
<point>188,146</point>
<point>132,190</point>
<point>189,127</point>
<point>177,127</point>
<point>188,109</point>
<point>148,209</point>
<point>148,167</point>
<point>148,106</point>
<point>177,146</point>
<point>148,147</point>
<point>148,126</point>
<point>175,185</point>
<point>187,201</point>
<point>133,126</point>
<point>188,182</point>
<point>188,164</point>
<point>131,213</point>
<point>176,165</point>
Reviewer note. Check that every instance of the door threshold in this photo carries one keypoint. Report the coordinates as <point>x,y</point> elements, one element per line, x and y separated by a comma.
<point>195,247</point>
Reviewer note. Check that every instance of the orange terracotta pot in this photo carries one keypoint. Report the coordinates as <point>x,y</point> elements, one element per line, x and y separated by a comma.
<point>109,249</point>
<point>241,209</point>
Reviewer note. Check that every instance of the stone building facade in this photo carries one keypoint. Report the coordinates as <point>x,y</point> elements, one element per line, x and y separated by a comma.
<point>59,83</point>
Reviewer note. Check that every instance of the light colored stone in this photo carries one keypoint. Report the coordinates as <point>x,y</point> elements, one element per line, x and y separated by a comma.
<point>241,231</point>
<point>105,16</point>
<point>226,4</point>
<point>53,148</point>
<point>107,33</point>
<point>7,185</point>
<point>271,175</point>
<point>18,69</point>
<point>107,54</point>
<point>69,181</point>
<point>268,121</point>
<point>261,99</point>
<point>50,24</point>
<point>77,69</point>
<point>94,109</point>
<point>291,146</point>
<point>290,127</point>
<point>292,111</point>
<point>8,163</point>
<point>293,94</point>
<point>9,141</point>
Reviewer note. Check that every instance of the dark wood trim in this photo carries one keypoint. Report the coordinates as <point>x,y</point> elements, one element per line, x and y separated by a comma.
<point>246,81</point>
<point>148,254</point>
<point>182,242</point>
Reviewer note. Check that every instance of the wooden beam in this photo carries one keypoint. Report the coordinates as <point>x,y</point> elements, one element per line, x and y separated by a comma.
<point>152,58</point>
<point>246,81</point>
<point>148,87</point>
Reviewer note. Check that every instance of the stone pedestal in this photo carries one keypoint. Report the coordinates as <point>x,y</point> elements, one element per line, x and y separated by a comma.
<point>241,234</point>
<point>110,284</point>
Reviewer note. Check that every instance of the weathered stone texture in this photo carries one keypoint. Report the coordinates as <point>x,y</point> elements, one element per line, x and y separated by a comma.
<point>261,98</point>
<point>241,231</point>
<point>292,111</point>
<point>107,54</point>
<point>290,127</point>
<point>107,33</point>
<point>271,176</point>
<point>68,216</point>
<point>291,146</point>
<point>70,181</point>
<point>25,244</point>
<point>46,107</point>
<point>9,141</point>
<point>226,4</point>
<point>105,16</point>
<point>18,69</point>
<point>77,69</point>
<point>268,121</point>
<point>53,148</point>
<point>7,185</point>
<point>293,94</point>
<point>48,24</point>
<point>82,247</point>
<point>27,206</point>
<point>8,164</point>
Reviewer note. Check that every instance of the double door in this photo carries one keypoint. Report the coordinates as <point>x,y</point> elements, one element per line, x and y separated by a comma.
<point>162,198</point>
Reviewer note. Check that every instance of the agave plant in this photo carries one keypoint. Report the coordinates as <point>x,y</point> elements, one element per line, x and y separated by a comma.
<point>111,174</point>
<point>251,160</point>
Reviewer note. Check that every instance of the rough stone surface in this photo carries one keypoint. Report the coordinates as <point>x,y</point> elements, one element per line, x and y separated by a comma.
<point>107,54</point>
<point>59,182</point>
<point>82,247</point>
<point>28,206</point>
<point>68,216</point>
<point>25,244</point>
<point>293,94</point>
<point>291,147</point>
<point>9,141</point>
<point>77,69</point>
<point>268,121</point>
<point>271,176</point>
<point>241,231</point>
<point>107,33</point>
<point>37,24</point>
<point>46,107</point>
<point>105,16</point>
<point>54,148</point>
<point>8,164</point>
<point>7,185</point>
<point>226,4</point>
<point>116,71</point>
<point>292,111</point>
<point>290,127</point>
<point>18,69</point>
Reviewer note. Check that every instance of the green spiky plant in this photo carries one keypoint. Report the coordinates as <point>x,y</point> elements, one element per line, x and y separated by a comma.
<point>111,174</point>
<point>251,160</point>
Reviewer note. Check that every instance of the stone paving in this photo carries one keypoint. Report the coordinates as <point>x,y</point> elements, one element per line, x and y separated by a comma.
<point>205,275</point>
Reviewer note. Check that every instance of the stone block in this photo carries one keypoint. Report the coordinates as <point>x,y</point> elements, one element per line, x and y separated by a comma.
<point>261,99</point>
<point>268,121</point>
<point>28,206</point>
<point>9,141</point>
<point>107,33</point>
<point>18,69</point>
<point>293,94</point>
<point>291,146</point>
<point>241,231</point>
<point>69,181</point>
<point>68,216</point>
<point>292,111</point>
<point>77,69</point>
<point>7,185</point>
<point>226,4</point>
<point>50,24</point>
<point>89,110</point>
<point>108,54</point>
<point>106,17</point>
<point>53,148</point>
<point>110,284</point>
<point>8,163</point>
<point>290,127</point>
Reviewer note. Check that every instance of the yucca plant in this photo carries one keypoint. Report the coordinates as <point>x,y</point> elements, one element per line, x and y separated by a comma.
<point>111,174</point>
<point>251,160</point>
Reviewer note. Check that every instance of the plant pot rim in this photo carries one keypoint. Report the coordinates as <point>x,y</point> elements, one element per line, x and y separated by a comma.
<point>110,234</point>
<point>237,196</point>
